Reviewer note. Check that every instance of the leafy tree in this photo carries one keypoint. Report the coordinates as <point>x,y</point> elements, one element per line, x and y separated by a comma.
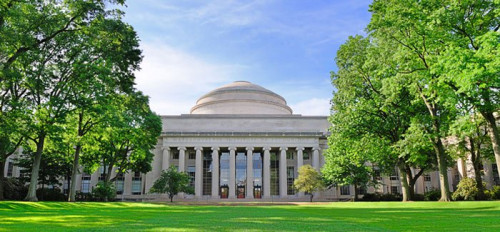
<point>308,181</point>
<point>368,106</point>
<point>172,182</point>
<point>346,163</point>
<point>124,138</point>
<point>409,27</point>
<point>472,141</point>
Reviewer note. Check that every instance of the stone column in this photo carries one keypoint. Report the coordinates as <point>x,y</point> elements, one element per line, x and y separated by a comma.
<point>315,158</point>
<point>282,177</point>
<point>198,178</point>
<point>215,172</point>
<point>166,158</point>
<point>249,186</point>
<point>300,162</point>
<point>182,158</point>
<point>266,176</point>
<point>232,172</point>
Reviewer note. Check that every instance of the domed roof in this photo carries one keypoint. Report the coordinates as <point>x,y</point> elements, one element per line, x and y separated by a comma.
<point>241,97</point>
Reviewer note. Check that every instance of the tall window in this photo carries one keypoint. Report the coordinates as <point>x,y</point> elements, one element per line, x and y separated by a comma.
<point>289,155</point>
<point>394,174</point>
<point>207,172</point>
<point>345,190</point>
<point>224,174</point>
<point>241,174</point>
<point>290,174</point>
<point>10,169</point>
<point>496,178</point>
<point>376,174</point>
<point>275,168</point>
<point>119,183</point>
<point>192,155</point>
<point>394,190</point>
<point>136,183</point>
<point>306,155</point>
<point>85,183</point>
<point>175,155</point>
<point>427,177</point>
<point>191,173</point>
<point>257,175</point>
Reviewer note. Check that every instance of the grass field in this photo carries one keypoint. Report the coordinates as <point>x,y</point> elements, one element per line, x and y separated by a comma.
<point>348,216</point>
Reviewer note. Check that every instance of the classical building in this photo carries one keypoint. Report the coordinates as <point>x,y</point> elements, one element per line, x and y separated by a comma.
<point>242,141</point>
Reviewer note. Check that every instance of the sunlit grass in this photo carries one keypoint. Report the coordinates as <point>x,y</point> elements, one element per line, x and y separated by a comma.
<point>362,216</point>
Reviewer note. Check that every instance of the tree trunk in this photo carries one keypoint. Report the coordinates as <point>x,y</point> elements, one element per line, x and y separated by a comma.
<point>475,157</point>
<point>311,198</point>
<point>2,179</point>
<point>494,136</point>
<point>443,170</point>
<point>356,192</point>
<point>412,180</point>
<point>404,181</point>
<point>74,173</point>
<point>171,197</point>
<point>31,196</point>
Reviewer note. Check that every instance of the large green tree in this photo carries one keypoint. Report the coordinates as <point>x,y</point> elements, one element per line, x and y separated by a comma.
<point>408,25</point>
<point>371,110</point>
<point>124,138</point>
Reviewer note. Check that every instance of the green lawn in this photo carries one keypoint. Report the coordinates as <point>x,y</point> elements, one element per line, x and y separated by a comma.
<point>359,216</point>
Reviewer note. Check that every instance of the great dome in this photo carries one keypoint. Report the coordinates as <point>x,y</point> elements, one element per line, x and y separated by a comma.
<point>241,97</point>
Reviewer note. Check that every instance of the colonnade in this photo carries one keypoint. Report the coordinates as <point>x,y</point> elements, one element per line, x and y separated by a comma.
<point>266,175</point>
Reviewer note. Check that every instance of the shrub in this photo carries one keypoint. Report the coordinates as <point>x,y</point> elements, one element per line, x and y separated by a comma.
<point>14,189</point>
<point>418,197</point>
<point>104,191</point>
<point>432,195</point>
<point>83,196</point>
<point>371,197</point>
<point>466,190</point>
<point>53,194</point>
<point>391,197</point>
<point>493,194</point>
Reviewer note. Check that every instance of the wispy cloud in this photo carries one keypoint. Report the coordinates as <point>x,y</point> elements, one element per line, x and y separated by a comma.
<point>175,79</point>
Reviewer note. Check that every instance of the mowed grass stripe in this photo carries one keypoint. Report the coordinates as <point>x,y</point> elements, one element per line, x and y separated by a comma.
<point>357,216</point>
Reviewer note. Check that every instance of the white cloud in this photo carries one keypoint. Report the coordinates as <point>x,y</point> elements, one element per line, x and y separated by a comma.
<point>174,79</point>
<point>313,106</point>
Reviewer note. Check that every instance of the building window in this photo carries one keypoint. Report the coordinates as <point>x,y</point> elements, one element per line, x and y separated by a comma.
<point>289,155</point>
<point>427,177</point>
<point>257,175</point>
<point>191,173</point>
<point>241,174</point>
<point>376,175</point>
<point>275,180</point>
<point>394,175</point>
<point>394,190</point>
<point>224,174</point>
<point>101,173</point>
<point>345,190</point>
<point>207,173</point>
<point>136,183</point>
<point>175,155</point>
<point>85,183</point>
<point>10,169</point>
<point>306,155</point>
<point>290,178</point>
<point>119,183</point>
<point>192,155</point>
<point>496,178</point>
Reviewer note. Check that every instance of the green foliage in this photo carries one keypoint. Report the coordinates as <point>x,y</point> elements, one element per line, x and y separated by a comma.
<point>308,181</point>
<point>432,195</point>
<point>14,189</point>
<point>172,182</point>
<point>493,194</point>
<point>466,190</point>
<point>104,191</point>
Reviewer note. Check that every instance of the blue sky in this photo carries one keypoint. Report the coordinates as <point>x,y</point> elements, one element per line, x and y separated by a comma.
<point>192,47</point>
